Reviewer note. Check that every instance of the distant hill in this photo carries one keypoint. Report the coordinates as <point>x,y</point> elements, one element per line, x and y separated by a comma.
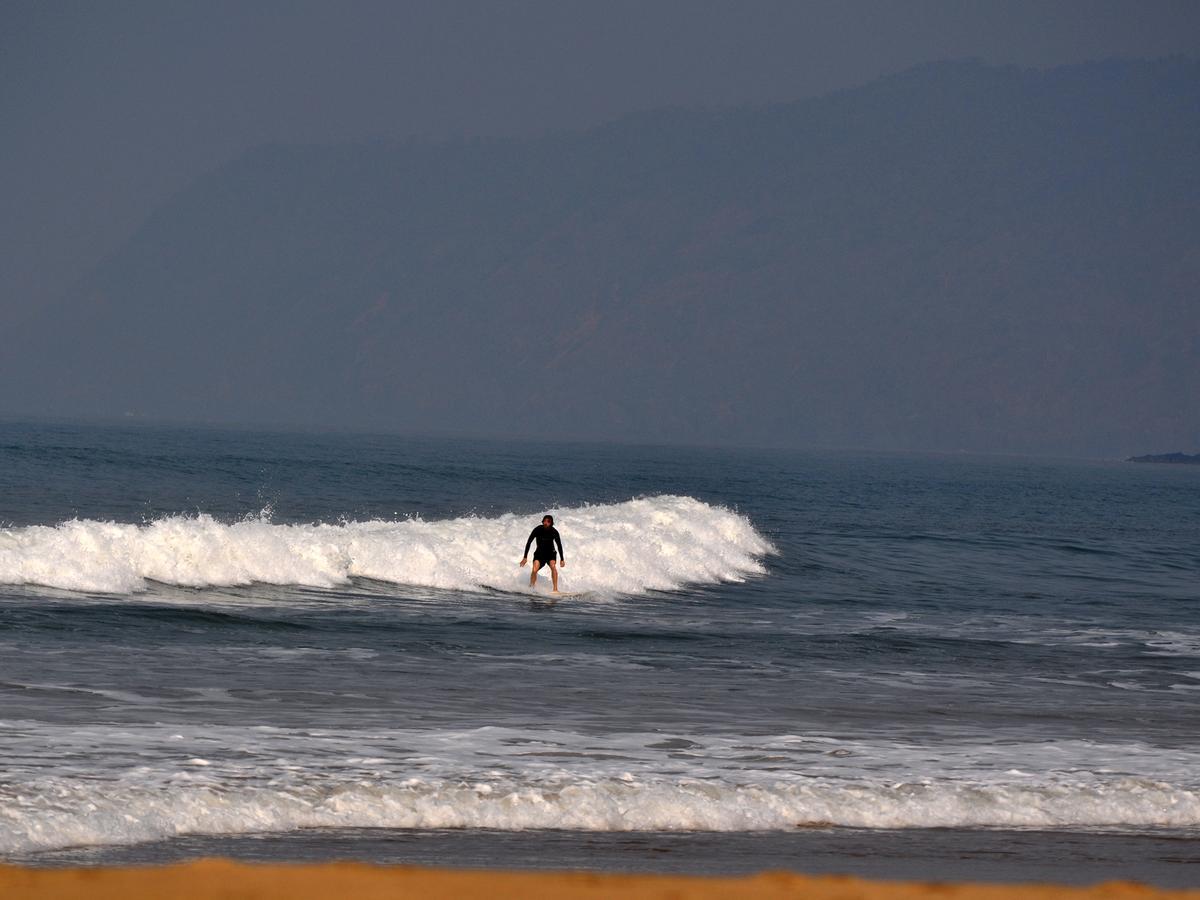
<point>957,257</point>
<point>1184,459</point>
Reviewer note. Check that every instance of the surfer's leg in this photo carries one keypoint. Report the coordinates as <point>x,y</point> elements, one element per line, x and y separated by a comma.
<point>554,574</point>
<point>533,572</point>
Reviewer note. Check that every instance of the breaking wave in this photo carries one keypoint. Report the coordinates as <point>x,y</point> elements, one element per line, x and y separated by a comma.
<point>85,813</point>
<point>143,783</point>
<point>654,543</point>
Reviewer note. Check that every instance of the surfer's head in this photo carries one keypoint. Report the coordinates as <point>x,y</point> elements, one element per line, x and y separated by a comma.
<point>548,521</point>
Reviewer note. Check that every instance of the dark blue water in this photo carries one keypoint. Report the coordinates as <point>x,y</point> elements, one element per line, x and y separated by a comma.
<point>209,632</point>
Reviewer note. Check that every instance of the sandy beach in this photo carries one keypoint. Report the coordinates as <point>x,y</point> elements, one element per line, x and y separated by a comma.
<point>236,881</point>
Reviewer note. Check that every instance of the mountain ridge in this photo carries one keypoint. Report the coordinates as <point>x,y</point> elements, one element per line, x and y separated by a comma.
<point>956,257</point>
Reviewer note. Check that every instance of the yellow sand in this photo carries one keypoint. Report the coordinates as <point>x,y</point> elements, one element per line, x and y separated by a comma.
<point>213,879</point>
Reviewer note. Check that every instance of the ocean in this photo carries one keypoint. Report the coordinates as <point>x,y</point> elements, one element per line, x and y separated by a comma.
<point>299,646</point>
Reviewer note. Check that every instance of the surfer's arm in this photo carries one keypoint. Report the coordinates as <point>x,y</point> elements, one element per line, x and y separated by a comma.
<point>562,556</point>
<point>525,553</point>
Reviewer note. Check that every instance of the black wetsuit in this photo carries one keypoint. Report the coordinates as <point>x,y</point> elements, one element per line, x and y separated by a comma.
<point>546,538</point>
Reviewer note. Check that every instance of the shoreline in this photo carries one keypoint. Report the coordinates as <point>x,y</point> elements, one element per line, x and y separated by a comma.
<point>1164,860</point>
<point>219,878</point>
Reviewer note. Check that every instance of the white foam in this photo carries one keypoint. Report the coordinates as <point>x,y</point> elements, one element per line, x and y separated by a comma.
<point>128,784</point>
<point>64,813</point>
<point>654,543</point>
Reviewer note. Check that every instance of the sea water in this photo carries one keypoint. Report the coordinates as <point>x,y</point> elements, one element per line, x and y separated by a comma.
<point>210,635</point>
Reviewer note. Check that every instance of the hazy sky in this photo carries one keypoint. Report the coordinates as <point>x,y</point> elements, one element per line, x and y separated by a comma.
<point>107,108</point>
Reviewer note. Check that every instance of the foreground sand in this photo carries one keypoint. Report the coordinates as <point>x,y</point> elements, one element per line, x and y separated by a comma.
<point>213,879</point>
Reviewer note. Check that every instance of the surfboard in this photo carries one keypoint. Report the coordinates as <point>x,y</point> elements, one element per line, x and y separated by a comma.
<point>538,595</point>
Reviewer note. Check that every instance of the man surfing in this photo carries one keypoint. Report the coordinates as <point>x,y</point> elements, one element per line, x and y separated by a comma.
<point>547,538</point>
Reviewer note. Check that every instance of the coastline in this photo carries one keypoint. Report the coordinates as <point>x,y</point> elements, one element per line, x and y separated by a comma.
<point>1164,860</point>
<point>217,878</point>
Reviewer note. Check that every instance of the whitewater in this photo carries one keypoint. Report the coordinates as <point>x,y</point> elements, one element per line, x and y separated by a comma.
<point>268,779</point>
<point>654,543</point>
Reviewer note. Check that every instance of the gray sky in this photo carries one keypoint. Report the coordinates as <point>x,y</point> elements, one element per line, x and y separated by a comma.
<point>108,108</point>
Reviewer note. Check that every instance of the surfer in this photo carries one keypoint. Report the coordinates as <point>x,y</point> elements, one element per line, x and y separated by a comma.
<point>547,538</point>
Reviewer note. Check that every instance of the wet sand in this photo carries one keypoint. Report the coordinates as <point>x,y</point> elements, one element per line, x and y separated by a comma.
<point>212,879</point>
<point>1162,859</point>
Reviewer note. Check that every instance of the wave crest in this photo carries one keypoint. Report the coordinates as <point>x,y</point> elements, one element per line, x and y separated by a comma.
<point>653,543</point>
